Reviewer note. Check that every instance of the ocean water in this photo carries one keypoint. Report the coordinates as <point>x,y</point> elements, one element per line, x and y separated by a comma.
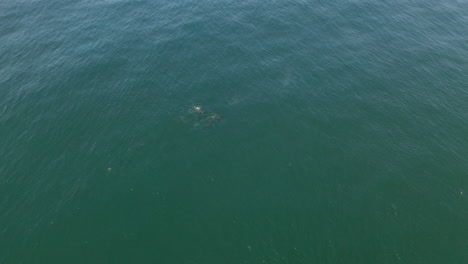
<point>327,131</point>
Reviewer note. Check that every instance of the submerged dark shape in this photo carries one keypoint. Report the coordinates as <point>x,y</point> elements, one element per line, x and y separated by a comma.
<point>212,119</point>
<point>203,118</point>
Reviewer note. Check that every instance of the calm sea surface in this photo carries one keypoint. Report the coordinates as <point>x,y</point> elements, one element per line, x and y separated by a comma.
<point>234,132</point>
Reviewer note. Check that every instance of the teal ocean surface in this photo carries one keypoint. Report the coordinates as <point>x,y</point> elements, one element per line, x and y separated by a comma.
<point>234,132</point>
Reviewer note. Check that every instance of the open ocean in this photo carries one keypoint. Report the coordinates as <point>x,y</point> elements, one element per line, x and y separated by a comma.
<point>234,132</point>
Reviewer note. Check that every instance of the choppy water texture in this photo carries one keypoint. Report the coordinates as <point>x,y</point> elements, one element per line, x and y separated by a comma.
<point>340,132</point>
